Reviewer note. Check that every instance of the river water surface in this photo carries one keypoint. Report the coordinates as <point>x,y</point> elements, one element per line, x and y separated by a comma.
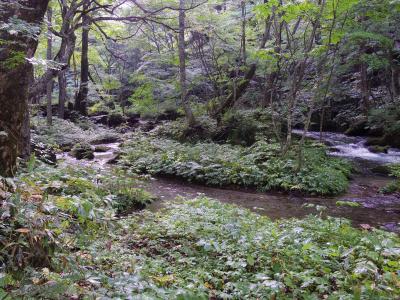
<point>376,209</point>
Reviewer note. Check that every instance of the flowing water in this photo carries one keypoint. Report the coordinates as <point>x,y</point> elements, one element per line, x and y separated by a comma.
<point>375,208</point>
<point>353,147</point>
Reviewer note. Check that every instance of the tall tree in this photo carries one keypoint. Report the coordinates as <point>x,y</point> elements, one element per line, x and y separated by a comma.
<point>49,57</point>
<point>182,65</point>
<point>17,45</point>
<point>81,98</point>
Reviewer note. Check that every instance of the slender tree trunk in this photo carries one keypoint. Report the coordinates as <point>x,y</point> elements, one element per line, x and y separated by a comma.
<point>15,76</point>
<point>49,56</point>
<point>241,88</point>
<point>243,6</point>
<point>182,65</point>
<point>62,93</point>
<point>82,97</point>
<point>297,78</point>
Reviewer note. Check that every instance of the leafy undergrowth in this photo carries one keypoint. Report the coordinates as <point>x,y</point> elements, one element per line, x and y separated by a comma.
<point>202,249</point>
<point>242,127</point>
<point>46,213</point>
<point>393,187</point>
<point>65,134</point>
<point>260,165</point>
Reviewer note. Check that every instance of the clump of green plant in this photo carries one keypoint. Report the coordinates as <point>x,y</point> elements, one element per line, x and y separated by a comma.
<point>48,211</point>
<point>39,216</point>
<point>178,130</point>
<point>126,196</point>
<point>83,151</point>
<point>394,186</point>
<point>65,134</point>
<point>201,248</point>
<point>98,108</point>
<point>244,127</point>
<point>387,120</point>
<point>260,166</point>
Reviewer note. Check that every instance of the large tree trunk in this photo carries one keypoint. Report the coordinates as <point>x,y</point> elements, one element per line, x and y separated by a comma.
<point>81,98</point>
<point>49,90</point>
<point>15,76</point>
<point>182,66</point>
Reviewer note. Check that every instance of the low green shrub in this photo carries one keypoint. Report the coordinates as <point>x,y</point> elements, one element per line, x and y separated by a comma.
<point>98,108</point>
<point>83,151</point>
<point>244,127</point>
<point>387,118</point>
<point>259,166</point>
<point>179,130</point>
<point>202,249</point>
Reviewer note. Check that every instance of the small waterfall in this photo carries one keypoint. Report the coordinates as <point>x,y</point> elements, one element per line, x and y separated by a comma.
<point>354,148</point>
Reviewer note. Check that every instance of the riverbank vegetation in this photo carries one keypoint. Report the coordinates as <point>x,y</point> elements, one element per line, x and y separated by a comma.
<point>65,224</point>
<point>97,96</point>
<point>260,166</point>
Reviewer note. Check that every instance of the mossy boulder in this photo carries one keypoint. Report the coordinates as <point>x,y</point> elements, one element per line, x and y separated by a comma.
<point>389,139</point>
<point>101,148</point>
<point>105,138</point>
<point>378,149</point>
<point>358,128</point>
<point>83,151</point>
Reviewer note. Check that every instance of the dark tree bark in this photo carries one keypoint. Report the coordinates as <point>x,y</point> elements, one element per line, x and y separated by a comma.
<point>15,76</point>
<point>82,97</point>
<point>243,7</point>
<point>49,90</point>
<point>62,93</point>
<point>182,66</point>
<point>396,79</point>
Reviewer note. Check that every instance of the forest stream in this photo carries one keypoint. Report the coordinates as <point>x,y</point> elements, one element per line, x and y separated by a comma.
<point>376,209</point>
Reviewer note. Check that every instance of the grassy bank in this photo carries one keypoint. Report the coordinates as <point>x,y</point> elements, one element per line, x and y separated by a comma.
<point>260,165</point>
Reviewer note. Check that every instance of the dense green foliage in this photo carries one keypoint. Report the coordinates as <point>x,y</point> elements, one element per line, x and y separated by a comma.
<point>207,92</point>
<point>50,209</point>
<point>386,122</point>
<point>260,165</point>
<point>202,249</point>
